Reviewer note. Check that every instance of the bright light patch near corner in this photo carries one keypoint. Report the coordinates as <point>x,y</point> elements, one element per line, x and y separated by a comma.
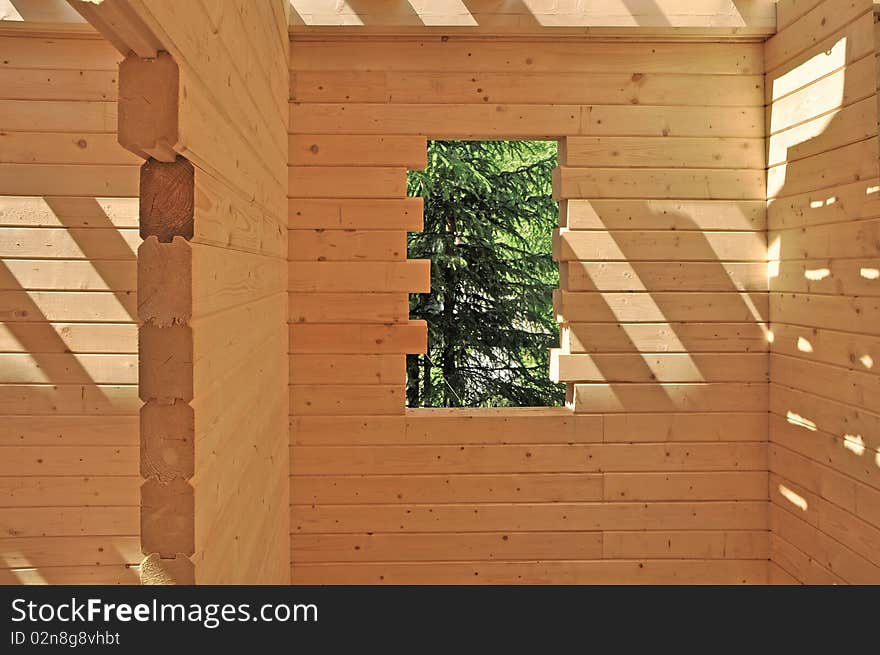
<point>870,273</point>
<point>821,65</point>
<point>804,346</point>
<point>867,361</point>
<point>770,336</point>
<point>752,307</point>
<point>872,190</point>
<point>816,274</point>
<point>773,257</point>
<point>794,498</point>
<point>827,64</point>
<point>8,11</point>
<point>797,419</point>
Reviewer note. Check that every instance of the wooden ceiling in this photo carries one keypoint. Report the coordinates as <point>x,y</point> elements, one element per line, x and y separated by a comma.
<point>684,18</point>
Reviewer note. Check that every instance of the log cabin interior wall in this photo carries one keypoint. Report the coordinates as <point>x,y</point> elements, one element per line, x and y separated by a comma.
<point>720,428</point>
<point>824,238</point>
<point>203,97</point>
<point>68,343</point>
<point>660,472</point>
<point>208,356</point>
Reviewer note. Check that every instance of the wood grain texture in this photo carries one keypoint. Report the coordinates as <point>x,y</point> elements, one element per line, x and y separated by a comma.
<point>69,482</point>
<point>822,136</point>
<point>660,475</point>
<point>209,83</point>
<point>212,287</point>
<point>663,307</point>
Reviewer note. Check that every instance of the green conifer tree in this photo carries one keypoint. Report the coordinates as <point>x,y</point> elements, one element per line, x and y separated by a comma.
<point>489,217</point>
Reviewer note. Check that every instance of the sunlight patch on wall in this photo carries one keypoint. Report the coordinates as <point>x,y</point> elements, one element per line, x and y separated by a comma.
<point>794,498</point>
<point>800,421</point>
<point>25,368</point>
<point>539,13</point>
<point>785,132</point>
<point>8,341</point>
<point>76,243</point>
<point>29,576</point>
<point>322,12</point>
<point>128,550</point>
<point>22,569</point>
<point>815,68</point>
<point>36,211</point>
<point>611,250</point>
<point>804,346</point>
<point>39,11</point>
<point>443,12</point>
<point>820,203</point>
<point>854,443</point>
<point>8,11</point>
<point>55,311</point>
<point>773,257</point>
<point>639,13</point>
<point>817,274</point>
<point>753,308</point>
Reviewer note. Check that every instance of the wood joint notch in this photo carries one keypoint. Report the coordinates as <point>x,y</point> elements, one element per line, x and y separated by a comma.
<point>149,91</point>
<point>167,203</point>
<point>168,518</point>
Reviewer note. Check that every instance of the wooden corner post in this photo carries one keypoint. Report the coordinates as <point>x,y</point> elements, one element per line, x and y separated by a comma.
<point>203,94</point>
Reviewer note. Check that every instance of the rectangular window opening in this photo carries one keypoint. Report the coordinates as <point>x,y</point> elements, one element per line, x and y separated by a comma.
<point>488,232</point>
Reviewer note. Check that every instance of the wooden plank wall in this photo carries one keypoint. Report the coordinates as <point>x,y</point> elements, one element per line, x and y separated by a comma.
<point>660,473</point>
<point>212,282</point>
<point>824,235</point>
<point>68,342</point>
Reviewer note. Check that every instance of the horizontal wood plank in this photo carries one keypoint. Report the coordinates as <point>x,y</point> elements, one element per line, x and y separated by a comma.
<point>360,214</point>
<point>527,458</point>
<point>358,150</point>
<point>706,515</point>
<point>544,572</point>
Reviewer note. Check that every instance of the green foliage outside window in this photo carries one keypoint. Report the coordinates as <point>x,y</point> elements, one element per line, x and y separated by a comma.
<point>489,218</point>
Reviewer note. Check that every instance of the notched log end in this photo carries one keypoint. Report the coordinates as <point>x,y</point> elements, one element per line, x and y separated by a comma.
<point>165,363</point>
<point>164,282</point>
<point>167,199</point>
<point>168,518</point>
<point>167,441</point>
<point>149,91</point>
